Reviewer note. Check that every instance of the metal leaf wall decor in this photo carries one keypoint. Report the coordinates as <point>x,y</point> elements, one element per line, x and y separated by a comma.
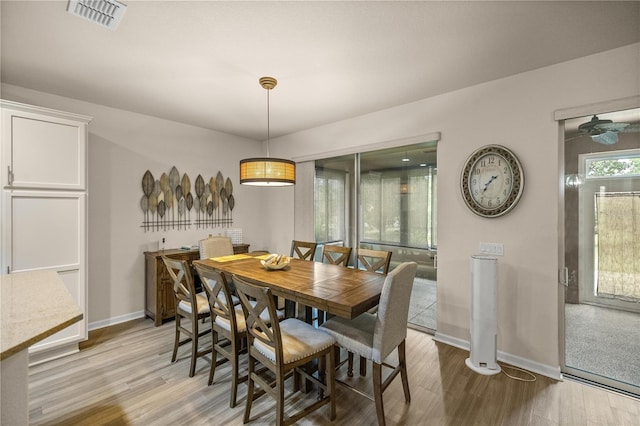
<point>169,203</point>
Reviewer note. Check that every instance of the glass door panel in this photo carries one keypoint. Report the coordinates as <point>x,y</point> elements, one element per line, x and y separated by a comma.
<point>602,249</point>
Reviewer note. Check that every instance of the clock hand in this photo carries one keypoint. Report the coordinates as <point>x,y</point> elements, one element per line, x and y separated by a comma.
<point>486,185</point>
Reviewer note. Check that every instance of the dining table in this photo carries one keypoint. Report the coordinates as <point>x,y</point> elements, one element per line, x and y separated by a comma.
<point>336,290</point>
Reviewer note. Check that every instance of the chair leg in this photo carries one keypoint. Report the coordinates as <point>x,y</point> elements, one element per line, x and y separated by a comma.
<point>214,355</point>
<point>350,364</point>
<point>363,366</point>
<point>194,345</point>
<point>403,371</point>
<point>250,384</point>
<point>177,340</point>
<point>377,392</point>
<point>322,367</point>
<point>330,381</point>
<point>234,372</point>
<point>280,399</point>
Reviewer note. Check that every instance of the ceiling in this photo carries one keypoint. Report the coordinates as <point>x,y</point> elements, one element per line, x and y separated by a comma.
<point>198,62</point>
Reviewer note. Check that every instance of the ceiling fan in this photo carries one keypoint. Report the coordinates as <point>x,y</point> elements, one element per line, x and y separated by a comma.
<point>606,131</point>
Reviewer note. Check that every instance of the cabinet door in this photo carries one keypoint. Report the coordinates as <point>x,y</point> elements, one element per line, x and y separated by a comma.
<point>43,150</point>
<point>47,230</point>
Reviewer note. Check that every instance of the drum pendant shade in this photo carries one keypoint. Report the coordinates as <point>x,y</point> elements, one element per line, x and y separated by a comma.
<point>267,171</point>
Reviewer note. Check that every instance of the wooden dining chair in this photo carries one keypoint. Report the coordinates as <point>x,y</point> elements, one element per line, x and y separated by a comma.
<point>215,246</point>
<point>336,255</point>
<point>374,260</point>
<point>228,329</point>
<point>375,336</point>
<point>284,347</point>
<point>190,306</point>
<point>305,250</point>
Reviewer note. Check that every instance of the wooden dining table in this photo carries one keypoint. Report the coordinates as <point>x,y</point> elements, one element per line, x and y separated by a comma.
<point>340,291</point>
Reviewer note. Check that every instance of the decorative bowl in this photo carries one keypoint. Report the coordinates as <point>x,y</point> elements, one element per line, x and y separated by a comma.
<point>275,262</point>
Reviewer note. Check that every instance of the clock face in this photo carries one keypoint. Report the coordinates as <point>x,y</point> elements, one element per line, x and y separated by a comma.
<point>492,181</point>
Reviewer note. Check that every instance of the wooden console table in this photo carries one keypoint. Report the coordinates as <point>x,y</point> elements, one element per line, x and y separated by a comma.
<point>159,298</point>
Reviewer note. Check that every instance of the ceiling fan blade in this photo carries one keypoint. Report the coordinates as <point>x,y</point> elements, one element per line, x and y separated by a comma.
<point>575,137</point>
<point>611,127</point>
<point>607,138</point>
<point>635,127</point>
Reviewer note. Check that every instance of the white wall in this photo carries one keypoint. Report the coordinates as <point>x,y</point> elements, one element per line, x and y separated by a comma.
<point>122,146</point>
<point>516,112</point>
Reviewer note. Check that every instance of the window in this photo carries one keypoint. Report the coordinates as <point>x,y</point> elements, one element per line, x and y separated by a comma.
<point>330,206</point>
<point>626,165</point>
<point>399,207</point>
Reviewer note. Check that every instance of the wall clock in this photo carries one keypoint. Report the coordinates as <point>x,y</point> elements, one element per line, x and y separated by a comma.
<point>492,181</point>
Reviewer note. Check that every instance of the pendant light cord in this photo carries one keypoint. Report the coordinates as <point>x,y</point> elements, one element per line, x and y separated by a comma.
<point>268,121</point>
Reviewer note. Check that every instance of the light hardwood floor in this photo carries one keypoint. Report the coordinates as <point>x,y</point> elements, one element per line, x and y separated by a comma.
<point>123,376</point>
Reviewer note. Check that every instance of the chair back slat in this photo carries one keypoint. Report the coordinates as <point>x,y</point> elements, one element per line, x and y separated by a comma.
<point>336,255</point>
<point>374,260</point>
<point>305,250</point>
<point>393,310</point>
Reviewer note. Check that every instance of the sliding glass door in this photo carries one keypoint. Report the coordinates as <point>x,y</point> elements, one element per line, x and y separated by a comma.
<point>384,200</point>
<point>602,249</point>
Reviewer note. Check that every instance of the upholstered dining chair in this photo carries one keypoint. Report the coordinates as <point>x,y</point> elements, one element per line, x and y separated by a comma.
<point>190,306</point>
<point>284,347</point>
<point>374,261</point>
<point>305,250</point>
<point>336,255</point>
<point>215,246</point>
<point>375,336</point>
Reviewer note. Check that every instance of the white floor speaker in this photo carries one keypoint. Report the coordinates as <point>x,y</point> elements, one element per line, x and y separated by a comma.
<point>484,324</point>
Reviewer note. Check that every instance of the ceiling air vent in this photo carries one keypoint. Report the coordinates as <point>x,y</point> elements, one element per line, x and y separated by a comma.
<point>107,13</point>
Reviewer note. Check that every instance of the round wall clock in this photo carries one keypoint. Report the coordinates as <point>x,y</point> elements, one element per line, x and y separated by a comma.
<point>492,181</point>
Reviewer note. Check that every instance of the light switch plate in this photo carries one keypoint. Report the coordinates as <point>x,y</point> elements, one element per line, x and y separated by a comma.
<point>496,249</point>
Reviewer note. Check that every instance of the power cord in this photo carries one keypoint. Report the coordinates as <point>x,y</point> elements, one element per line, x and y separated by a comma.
<point>532,379</point>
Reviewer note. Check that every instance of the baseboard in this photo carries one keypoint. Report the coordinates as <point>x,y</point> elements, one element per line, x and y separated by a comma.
<point>550,371</point>
<point>45,355</point>
<point>115,320</point>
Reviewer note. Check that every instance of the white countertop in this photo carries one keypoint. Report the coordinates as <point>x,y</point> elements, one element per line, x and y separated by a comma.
<point>33,306</point>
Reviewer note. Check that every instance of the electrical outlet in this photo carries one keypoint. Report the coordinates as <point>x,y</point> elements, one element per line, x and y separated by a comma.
<point>496,249</point>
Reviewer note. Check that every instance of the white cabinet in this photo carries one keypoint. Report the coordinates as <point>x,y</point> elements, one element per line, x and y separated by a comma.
<point>44,206</point>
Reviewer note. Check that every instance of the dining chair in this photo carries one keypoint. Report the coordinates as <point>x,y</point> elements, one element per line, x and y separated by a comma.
<point>284,348</point>
<point>190,306</point>
<point>375,336</point>
<point>336,255</point>
<point>305,250</point>
<point>227,321</point>
<point>374,261</point>
<point>215,246</point>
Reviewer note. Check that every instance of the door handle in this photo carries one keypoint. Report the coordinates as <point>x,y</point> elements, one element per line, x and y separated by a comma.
<point>563,276</point>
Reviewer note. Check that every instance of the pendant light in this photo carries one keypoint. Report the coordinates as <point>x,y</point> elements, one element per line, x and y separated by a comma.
<point>267,171</point>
